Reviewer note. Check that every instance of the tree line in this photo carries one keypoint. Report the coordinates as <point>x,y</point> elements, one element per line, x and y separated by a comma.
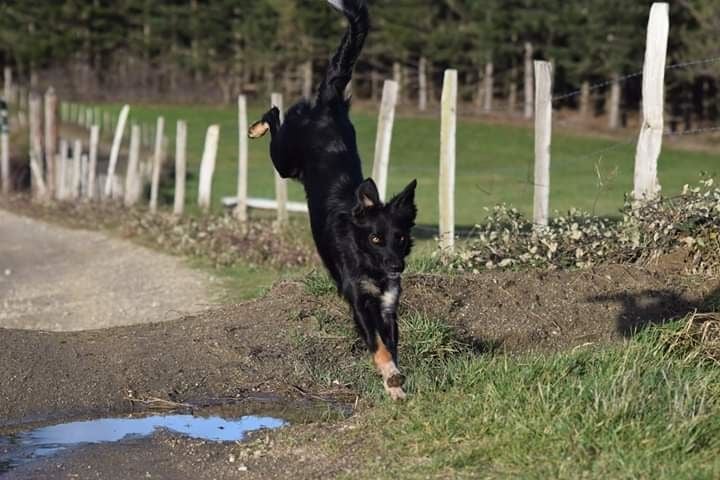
<point>212,49</point>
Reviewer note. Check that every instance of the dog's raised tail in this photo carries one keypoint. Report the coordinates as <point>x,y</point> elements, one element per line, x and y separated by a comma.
<point>339,72</point>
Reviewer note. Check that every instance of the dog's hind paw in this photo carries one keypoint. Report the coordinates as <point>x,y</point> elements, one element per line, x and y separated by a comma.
<point>396,393</point>
<point>258,129</point>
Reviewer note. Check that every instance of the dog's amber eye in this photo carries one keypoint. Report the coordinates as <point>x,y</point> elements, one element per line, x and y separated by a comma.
<point>375,239</point>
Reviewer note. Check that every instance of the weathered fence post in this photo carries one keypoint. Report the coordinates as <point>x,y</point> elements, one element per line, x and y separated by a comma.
<point>422,84</point>
<point>281,194</point>
<point>207,167</point>
<point>7,72</point>
<point>529,80</point>
<point>543,137</point>
<point>241,212</point>
<point>383,138</point>
<point>133,181</point>
<point>448,125</point>
<point>115,150</point>
<point>488,87</point>
<point>614,107</point>
<point>307,71</point>
<point>180,166</point>
<point>51,111</point>
<point>157,164</point>
<point>36,149</point>
<point>4,147</point>
<point>650,142</point>
<point>77,171</point>
<point>62,159</point>
<point>92,164</point>
<point>397,77</point>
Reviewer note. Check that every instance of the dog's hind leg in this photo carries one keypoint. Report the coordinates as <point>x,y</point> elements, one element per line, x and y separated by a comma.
<point>339,72</point>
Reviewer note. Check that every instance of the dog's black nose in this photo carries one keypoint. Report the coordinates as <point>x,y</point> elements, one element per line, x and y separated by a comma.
<point>393,266</point>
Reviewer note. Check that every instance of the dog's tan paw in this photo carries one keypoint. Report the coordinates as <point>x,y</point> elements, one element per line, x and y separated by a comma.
<point>396,380</point>
<point>396,393</point>
<point>258,129</point>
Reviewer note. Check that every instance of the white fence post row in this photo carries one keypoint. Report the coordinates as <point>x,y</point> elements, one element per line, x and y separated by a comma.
<point>646,186</point>
<point>115,150</point>
<point>383,139</point>
<point>157,164</point>
<point>241,209</point>
<point>448,127</point>
<point>281,194</point>
<point>207,167</point>
<point>180,166</point>
<point>5,148</point>
<point>543,139</point>
<point>133,179</point>
<point>92,162</point>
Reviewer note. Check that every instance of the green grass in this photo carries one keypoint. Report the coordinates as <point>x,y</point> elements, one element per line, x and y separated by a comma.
<point>632,410</point>
<point>494,162</point>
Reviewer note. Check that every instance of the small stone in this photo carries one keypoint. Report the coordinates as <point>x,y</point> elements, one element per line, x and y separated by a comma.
<point>231,459</point>
<point>243,468</point>
<point>8,272</point>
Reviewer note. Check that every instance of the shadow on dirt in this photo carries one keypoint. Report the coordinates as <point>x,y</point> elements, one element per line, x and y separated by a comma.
<point>655,307</point>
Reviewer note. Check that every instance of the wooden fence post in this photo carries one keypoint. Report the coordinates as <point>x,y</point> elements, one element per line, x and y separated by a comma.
<point>650,142</point>
<point>180,166</point>
<point>8,92</point>
<point>157,164</point>
<point>115,150</point>
<point>448,125</point>
<point>488,87</point>
<point>422,84</point>
<point>133,181</point>
<point>383,138</point>
<point>77,171</point>
<point>241,212</point>
<point>92,164</point>
<point>4,147</point>
<point>207,167</point>
<point>529,80</point>
<point>543,137</point>
<point>36,149</point>
<point>307,71</point>
<point>281,194</point>
<point>62,159</point>
<point>51,132</point>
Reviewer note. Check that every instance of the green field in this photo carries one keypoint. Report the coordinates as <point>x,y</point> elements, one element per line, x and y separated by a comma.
<point>494,162</point>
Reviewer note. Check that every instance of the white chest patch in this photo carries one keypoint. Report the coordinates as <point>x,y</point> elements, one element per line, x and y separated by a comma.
<point>389,298</point>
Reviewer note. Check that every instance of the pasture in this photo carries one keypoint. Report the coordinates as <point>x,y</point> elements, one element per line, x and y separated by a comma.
<point>494,162</point>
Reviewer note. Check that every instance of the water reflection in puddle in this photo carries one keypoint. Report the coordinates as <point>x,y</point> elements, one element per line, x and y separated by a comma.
<point>45,441</point>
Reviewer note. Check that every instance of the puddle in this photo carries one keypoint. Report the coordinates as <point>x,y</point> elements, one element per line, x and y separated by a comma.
<point>45,441</point>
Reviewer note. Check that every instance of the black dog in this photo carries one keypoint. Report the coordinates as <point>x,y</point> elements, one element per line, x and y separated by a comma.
<point>362,242</point>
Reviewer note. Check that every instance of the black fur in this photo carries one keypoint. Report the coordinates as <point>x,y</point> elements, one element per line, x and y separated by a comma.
<point>362,242</point>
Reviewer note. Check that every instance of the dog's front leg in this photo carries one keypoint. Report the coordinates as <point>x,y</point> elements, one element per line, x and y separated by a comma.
<point>380,335</point>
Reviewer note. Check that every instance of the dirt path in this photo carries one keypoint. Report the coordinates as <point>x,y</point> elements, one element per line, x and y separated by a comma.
<point>53,278</point>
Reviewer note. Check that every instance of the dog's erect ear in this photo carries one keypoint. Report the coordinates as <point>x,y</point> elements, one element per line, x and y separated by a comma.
<point>367,197</point>
<point>403,204</point>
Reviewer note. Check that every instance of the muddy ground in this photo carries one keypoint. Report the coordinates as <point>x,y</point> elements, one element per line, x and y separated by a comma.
<point>255,357</point>
<point>246,351</point>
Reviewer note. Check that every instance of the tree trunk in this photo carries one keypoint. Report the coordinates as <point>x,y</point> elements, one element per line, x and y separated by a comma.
<point>422,84</point>
<point>585,100</point>
<point>529,88</point>
<point>614,107</point>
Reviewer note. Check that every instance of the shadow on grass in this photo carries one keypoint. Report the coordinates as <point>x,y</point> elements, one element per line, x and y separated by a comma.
<point>655,307</point>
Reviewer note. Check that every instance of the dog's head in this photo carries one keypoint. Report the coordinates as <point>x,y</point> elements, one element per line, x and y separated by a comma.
<point>382,231</point>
